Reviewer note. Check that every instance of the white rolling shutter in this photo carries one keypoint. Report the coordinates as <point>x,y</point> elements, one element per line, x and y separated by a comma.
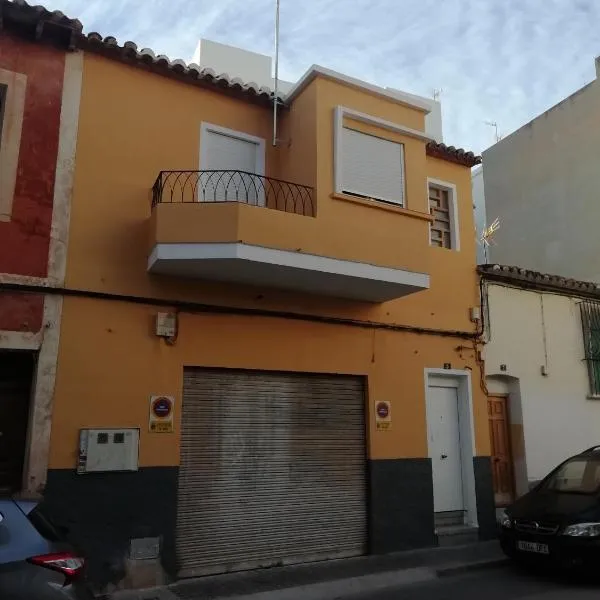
<point>230,154</point>
<point>372,167</point>
<point>273,470</point>
<point>227,152</point>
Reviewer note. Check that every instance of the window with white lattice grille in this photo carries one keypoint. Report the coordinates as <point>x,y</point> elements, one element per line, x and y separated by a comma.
<point>442,207</point>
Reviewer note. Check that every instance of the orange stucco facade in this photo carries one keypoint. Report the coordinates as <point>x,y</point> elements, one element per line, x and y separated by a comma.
<point>110,361</point>
<point>135,123</point>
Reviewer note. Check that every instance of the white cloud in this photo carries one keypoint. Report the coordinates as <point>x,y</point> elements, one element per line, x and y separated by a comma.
<point>495,60</point>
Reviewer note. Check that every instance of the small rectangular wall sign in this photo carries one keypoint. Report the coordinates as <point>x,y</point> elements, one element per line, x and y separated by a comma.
<point>383,415</point>
<point>161,414</point>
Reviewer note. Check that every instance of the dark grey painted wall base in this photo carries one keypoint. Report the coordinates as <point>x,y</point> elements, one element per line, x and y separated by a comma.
<point>400,505</point>
<point>103,511</point>
<point>484,492</point>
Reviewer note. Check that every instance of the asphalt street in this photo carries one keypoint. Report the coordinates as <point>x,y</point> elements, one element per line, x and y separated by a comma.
<point>506,583</point>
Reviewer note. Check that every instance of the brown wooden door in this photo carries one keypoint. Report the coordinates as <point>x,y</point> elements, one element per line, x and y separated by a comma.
<point>502,467</point>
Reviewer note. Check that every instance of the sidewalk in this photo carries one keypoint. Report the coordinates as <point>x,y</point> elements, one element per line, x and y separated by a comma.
<point>330,579</point>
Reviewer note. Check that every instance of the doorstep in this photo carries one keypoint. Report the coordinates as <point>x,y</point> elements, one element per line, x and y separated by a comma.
<point>457,535</point>
<point>330,579</point>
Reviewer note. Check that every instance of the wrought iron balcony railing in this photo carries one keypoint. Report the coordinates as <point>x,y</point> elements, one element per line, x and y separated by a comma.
<point>232,186</point>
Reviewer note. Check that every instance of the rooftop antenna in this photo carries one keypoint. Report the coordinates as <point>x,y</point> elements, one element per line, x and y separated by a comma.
<point>276,92</point>
<point>437,93</point>
<point>487,237</point>
<point>493,124</point>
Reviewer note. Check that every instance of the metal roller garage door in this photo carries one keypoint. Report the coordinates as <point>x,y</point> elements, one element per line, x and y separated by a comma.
<point>273,470</point>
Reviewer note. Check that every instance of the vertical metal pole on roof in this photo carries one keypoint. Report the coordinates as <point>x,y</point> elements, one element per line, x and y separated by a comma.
<point>276,92</point>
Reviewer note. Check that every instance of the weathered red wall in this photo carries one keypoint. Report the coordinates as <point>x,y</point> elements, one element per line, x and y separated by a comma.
<point>25,239</point>
<point>21,312</point>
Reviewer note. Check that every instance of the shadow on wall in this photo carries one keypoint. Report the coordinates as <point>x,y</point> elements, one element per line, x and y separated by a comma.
<point>505,385</point>
<point>102,513</point>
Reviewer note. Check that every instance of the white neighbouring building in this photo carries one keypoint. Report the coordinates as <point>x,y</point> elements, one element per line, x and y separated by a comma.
<point>542,354</point>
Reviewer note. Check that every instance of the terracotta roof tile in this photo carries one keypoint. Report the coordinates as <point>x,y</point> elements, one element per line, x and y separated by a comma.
<point>37,12</point>
<point>146,58</point>
<point>39,23</point>
<point>60,29</point>
<point>535,279</point>
<point>455,155</point>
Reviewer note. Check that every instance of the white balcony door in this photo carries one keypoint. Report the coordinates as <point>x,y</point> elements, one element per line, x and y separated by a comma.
<point>239,161</point>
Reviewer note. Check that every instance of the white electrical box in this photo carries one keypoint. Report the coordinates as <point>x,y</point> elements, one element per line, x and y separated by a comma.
<point>108,450</point>
<point>166,324</point>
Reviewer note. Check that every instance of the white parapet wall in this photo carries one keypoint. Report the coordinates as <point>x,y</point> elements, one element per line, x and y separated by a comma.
<point>258,68</point>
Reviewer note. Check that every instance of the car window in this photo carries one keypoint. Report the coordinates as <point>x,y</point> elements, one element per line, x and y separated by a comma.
<point>579,475</point>
<point>44,525</point>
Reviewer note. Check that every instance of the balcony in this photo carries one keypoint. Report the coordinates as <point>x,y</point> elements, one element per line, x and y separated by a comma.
<point>232,186</point>
<point>240,227</point>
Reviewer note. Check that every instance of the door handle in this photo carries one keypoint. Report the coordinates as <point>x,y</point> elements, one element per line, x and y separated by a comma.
<point>443,456</point>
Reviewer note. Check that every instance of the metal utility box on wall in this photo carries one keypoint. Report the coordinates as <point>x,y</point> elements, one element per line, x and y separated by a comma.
<point>108,450</point>
<point>166,324</point>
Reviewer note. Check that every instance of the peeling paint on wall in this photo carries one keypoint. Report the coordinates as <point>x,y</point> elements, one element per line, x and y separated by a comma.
<point>40,422</point>
<point>36,460</point>
<point>34,231</point>
<point>65,168</point>
<point>25,239</point>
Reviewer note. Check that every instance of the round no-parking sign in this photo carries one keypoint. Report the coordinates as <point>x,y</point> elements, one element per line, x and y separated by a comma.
<point>162,406</point>
<point>383,410</point>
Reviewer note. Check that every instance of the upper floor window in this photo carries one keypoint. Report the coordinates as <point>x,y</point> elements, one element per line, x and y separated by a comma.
<point>442,207</point>
<point>232,165</point>
<point>12,109</point>
<point>371,167</point>
<point>3,91</point>
<point>590,320</point>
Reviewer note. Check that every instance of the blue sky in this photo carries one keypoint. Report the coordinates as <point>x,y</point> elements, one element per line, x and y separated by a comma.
<point>494,60</point>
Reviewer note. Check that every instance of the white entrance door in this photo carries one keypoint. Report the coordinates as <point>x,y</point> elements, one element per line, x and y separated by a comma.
<point>444,449</point>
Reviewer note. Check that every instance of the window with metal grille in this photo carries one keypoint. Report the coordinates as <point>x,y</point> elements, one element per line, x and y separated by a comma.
<point>3,90</point>
<point>439,207</point>
<point>590,319</point>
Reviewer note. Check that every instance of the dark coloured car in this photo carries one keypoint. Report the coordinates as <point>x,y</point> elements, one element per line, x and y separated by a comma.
<point>558,521</point>
<point>35,563</point>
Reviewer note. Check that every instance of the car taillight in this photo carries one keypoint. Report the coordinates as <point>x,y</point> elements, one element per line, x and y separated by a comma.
<point>67,563</point>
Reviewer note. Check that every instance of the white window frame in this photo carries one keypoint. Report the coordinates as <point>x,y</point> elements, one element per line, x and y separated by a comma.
<point>14,109</point>
<point>259,169</point>
<point>240,135</point>
<point>453,205</point>
<point>341,112</point>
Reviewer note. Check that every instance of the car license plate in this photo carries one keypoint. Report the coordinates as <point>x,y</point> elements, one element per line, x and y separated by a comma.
<point>533,547</point>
